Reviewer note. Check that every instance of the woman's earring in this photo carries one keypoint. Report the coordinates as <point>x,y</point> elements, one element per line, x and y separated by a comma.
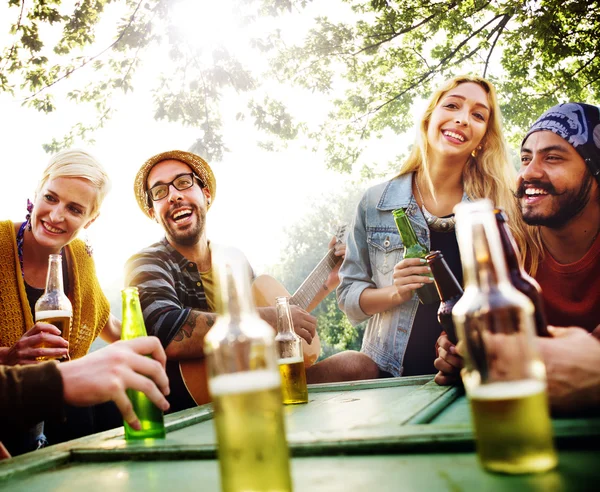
<point>28,216</point>
<point>88,246</point>
<point>475,151</point>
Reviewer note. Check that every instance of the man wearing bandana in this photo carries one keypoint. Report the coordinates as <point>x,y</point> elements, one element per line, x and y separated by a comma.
<point>558,191</point>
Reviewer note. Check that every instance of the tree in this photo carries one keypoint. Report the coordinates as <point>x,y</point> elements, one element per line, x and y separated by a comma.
<point>538,53</point>
<point>371,64</point>
<point>305,246</point>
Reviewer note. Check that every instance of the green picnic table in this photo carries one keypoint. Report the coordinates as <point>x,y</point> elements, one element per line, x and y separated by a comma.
<point>397,434</point>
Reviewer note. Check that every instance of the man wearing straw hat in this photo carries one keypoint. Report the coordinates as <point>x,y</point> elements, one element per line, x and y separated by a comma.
<point>174,276</point>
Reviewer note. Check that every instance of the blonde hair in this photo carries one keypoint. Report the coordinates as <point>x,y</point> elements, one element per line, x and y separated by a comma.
<point>76,163</point>
<point>489,173</point>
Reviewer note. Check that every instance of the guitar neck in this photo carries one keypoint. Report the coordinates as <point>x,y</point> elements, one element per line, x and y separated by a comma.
<point>315,281</point>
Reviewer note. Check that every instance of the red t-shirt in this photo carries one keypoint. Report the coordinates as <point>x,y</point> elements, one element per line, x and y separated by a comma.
<point>571,291</point>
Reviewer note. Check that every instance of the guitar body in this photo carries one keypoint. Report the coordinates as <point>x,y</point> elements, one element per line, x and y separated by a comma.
<point>265,289</point>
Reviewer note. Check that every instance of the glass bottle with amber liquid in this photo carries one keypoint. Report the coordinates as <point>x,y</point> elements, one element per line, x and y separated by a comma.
<point>448,289</point>
<point>520,279</point>
<point>291,358</point>
<point>150,416</point>
<point>504,376</point>
<point>245,385</point>
<point>414,249</point>
<point>54,307</point>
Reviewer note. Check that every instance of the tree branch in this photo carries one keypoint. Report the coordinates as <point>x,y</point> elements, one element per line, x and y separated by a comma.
<point>501,27</point>
<point>442,63</point>
<point>14,46</point>
<point>111,46</point>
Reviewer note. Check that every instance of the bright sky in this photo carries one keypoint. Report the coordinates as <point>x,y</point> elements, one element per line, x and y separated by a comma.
<point>258,193</point>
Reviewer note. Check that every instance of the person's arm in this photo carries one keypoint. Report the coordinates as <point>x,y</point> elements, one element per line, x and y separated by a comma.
<point>180,329</point>
<point>112,330</point>
<point>30,394</point>
<point>572,358</point>
<point>358,296</point>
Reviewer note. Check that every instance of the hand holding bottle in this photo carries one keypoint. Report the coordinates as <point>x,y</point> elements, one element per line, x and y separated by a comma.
<point>409,275</point>
<point>29,350</point>
<point>107,374</point>
<point>448,362</point>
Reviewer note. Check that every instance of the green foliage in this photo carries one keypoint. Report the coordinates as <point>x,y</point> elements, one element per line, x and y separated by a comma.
<point>537,53</point>
<point>305,245</point>
<point>371,63</point>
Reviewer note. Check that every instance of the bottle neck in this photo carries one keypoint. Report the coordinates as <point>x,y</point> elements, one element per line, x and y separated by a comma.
<point>284,316</point>
<point>445,281</point>
<point>54,278</point>
<point>481,252</point>
<point>509,247</point>
<point>132,318</point>
<point>406,231</point>
<point>233,274</point>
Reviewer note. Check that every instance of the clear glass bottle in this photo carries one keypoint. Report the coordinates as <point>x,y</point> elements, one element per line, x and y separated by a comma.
<point>291,359</point>
<point>54,307</point>
<point>504,376</point>
<point>414,249</point>
<point>245,385</point>
<point>150,416</point>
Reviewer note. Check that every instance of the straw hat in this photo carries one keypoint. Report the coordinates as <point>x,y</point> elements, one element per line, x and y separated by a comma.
<point>196,163</point>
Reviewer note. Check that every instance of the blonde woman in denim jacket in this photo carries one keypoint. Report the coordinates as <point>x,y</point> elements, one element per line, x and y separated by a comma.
<point>460,154</point>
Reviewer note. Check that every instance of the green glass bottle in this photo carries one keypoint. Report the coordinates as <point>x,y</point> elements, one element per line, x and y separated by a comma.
<point>414,249</point>
<point>149,415</point>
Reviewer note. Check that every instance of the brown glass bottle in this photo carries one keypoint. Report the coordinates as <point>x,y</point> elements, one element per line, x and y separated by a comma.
<point>517,274</point>
<point>448,289</point>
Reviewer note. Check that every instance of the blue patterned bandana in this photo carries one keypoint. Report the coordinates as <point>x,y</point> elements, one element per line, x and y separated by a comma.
<point>578,124</point>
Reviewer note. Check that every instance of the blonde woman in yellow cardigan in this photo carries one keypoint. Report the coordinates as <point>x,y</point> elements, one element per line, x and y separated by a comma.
<point>67,200</point>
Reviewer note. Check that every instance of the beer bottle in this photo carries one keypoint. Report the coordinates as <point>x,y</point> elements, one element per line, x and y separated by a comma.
<point>504,376</point>
<point>291,359</point>
<point>414,249</point>
<point>448,289</point>
<point>245,385</point>
<point>54,306</point>
<point>518,276</point>
<point>150,416</point>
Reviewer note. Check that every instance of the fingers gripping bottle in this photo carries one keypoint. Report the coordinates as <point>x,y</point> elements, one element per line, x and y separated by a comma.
<point>245,385</point>
<point>414,249</point>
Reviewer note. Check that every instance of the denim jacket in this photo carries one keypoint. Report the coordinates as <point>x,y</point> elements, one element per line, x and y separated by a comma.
<point>374,247</point>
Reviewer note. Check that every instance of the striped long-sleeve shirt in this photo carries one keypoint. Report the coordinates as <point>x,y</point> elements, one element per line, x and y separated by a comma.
<point>170,287</point>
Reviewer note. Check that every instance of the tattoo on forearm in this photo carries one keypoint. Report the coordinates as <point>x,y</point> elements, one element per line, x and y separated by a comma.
<point>190,323</point>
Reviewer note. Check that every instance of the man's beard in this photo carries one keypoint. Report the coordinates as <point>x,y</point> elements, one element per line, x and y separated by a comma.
<point>190,236</point>
<point>567,205</point>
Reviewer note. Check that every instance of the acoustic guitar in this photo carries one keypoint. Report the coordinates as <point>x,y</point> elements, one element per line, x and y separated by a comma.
<point>265,289</point>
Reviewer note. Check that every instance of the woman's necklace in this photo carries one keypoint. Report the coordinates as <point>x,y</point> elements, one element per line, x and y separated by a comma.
<point>437,224</point>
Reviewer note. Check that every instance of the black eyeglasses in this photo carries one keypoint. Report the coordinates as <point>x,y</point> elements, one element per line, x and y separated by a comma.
<point>181,182</point>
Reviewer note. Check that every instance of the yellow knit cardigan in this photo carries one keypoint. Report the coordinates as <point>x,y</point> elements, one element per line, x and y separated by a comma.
<point>91,309</point>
